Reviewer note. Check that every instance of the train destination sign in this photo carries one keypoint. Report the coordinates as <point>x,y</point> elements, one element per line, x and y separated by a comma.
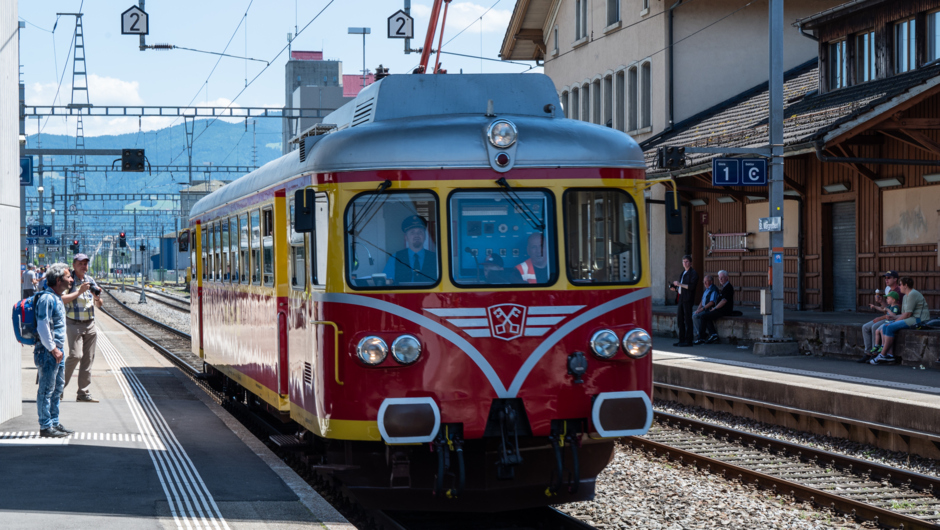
<point>739,172</point>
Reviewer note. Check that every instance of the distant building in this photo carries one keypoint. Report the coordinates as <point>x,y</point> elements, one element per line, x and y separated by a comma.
<point>310,82</point>
<point>191,195</point>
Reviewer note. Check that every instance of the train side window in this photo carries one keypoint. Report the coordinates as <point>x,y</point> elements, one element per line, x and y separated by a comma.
<point>225,265</point>
<point>255,248</point>
<point>211,273</point>
<point>298,262</point>
<point>602,233</point>
<point>233,249</point>
<point>192,254</point>
<point>217,251</point>
<point>321,240</point>
<point>202,249</point>
<point>267,242</point>
<point>502,237</point>
<point>243,248</point>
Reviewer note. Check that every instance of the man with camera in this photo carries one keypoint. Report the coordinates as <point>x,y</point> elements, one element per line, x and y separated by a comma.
<point>80,303</point>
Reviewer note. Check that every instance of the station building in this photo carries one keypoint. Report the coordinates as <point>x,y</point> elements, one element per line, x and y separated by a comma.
<point>643,66</point>
<point>861,132</point>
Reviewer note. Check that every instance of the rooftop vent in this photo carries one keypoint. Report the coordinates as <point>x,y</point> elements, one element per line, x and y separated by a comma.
<point>363,112</point>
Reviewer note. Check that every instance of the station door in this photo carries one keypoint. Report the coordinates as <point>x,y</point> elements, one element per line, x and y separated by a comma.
<point>843,257</point>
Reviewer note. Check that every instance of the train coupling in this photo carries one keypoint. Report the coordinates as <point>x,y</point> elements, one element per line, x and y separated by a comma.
<point>566,434</point>
<point>450,440</point>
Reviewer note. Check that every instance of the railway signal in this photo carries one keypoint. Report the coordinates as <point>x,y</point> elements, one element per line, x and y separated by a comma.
<point>74,246</point>
<point>670,157</point>
<point>132,160</point>
<point>122,241</point>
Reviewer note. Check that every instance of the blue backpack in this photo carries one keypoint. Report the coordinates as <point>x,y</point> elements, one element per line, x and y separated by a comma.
<point>24,320</point>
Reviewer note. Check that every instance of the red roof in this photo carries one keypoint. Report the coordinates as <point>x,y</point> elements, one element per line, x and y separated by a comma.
<point>352,84</point>
<point>306,56</point>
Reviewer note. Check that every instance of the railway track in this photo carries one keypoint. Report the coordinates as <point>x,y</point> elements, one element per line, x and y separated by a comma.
<point>868,491</point>
<point>175,346</point>
<point>174,302</point>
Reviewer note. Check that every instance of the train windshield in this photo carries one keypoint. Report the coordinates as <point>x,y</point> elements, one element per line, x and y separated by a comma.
<point>391,240</point>
<point>499,238</point>
<point>602,233</point>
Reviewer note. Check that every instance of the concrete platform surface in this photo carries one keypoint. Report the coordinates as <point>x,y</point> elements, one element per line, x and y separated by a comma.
<point>156,452</point>
<point>898,396</point>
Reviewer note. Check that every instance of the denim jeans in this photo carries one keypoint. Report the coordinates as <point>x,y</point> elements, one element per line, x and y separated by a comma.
<point>51,385</point>
<point>890,329</point>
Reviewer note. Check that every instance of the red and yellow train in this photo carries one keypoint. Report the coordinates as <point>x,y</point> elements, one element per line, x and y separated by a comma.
<point>447,292</point>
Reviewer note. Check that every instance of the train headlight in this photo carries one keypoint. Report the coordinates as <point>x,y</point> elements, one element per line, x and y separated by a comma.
<point>372,350</point>
<point>604,344</point>
<point>406,349</point>
<point>502,133</point>
<point>637,343</point>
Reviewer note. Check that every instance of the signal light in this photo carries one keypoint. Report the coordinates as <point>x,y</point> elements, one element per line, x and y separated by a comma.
<point>670,157</point>
<point>132,159</point>
<point>122,241</point>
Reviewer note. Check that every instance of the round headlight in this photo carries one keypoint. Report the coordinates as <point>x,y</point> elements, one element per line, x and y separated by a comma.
<point>372,350</point>
<point>637,343</point>
<point>406,349</point>
<point>604,344</point>
<point>502,133</point>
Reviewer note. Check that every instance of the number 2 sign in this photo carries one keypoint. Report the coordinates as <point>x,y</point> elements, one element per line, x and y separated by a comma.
<point>135,21</point>
<point>401,26</point>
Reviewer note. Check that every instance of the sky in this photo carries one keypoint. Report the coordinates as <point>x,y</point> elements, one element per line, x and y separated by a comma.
<point>120,74</point>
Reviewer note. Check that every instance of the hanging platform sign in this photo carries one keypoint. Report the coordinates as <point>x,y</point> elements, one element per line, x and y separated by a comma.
<point>135,21</point>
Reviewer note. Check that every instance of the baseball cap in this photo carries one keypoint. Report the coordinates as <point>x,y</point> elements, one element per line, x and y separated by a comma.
<point>892,274</point>
<point>493,259</point>
<point>414,221</point>
<point>80,257</point>
<point>894,294</point>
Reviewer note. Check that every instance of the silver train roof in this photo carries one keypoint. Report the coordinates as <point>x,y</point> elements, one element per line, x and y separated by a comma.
<point>414,121</point>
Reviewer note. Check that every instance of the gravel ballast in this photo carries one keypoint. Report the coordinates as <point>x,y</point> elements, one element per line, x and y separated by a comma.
<point>639,490</point>
<point>157,311</point>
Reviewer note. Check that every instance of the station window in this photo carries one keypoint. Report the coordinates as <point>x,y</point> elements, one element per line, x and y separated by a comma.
<point>204,241</point>
<point>838,65</point>
<point>602,237</point>
<point>564,104</point>
<point>502,237</point>
<point>255,248</point>
<point>933,36</point>
<point>905,49</point>
<point>580,19</point>
<point>267,243</point>
<point>865,57</point>
<point>646,89</point>
<point>233,249</point>
<point>298,263</point>
<point>586,102</point>
<point>575,103</point>
<point>608,101</point>
<point>391,240</point>
<point>244,261</point>
<point>224,265</point>
<point>613,12</point>
<point>620,92</point>
<point>633,86</point>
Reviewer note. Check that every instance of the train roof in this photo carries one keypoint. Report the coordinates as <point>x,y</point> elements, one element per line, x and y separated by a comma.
<point>413,121</point>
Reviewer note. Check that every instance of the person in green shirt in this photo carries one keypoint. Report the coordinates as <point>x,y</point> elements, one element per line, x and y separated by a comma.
<point>914,310</point>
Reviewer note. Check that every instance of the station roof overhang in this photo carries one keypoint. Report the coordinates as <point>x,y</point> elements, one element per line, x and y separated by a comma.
<point>524,38</point>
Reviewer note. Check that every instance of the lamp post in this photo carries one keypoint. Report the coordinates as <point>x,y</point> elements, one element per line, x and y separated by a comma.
<point>363,32</point>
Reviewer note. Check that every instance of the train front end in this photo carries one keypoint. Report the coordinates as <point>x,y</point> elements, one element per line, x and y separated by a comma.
<point>484,339</point>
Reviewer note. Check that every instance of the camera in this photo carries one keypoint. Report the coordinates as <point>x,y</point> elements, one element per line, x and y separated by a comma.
<point>95,290</point>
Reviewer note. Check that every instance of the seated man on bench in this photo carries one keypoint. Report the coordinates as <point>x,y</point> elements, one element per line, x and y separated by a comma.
<point>724,307</point>
<point>914,311</point>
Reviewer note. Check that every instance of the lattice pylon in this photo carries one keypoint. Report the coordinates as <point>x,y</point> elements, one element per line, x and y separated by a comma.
<point>80,100</point>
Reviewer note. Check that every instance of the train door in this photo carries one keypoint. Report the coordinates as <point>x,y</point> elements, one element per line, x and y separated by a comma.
<point>276,263</point>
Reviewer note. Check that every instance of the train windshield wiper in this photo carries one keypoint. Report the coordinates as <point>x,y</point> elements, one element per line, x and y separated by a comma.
<point>368,212</point>
<point>526,212</point>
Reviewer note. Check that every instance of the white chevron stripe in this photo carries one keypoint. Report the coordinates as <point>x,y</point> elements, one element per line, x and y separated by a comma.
<point>543,321</point>
<point>535,332</point>
<point>554,310</point>
<point>462,312</point>
<point>470,322</point>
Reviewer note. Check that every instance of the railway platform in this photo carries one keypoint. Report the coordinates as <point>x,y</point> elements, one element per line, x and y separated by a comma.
<point>893,407</point>
<point>155,452</point>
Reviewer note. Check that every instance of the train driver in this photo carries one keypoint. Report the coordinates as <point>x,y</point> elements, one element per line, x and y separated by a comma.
<point>535,269</point>
<point>414,263</point>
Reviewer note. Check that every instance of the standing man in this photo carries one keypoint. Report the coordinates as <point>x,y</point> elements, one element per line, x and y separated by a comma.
<point>29,281</point>
<point>709,299</point>
<point>80,302</point>
<point>685,287</point>
<point>535,269</point>
<point>48,356</point>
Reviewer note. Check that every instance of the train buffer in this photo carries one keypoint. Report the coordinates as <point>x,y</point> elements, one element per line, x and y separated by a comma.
<point>156,451</point>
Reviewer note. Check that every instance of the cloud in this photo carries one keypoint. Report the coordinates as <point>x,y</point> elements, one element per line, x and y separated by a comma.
<point>463,14</point>
<point>101,91</point>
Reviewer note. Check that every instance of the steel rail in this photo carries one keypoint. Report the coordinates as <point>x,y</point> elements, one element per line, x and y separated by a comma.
<point>805,493</point>
<point>818,416</point>
<point>175,359</point>
<point>161,298</point>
